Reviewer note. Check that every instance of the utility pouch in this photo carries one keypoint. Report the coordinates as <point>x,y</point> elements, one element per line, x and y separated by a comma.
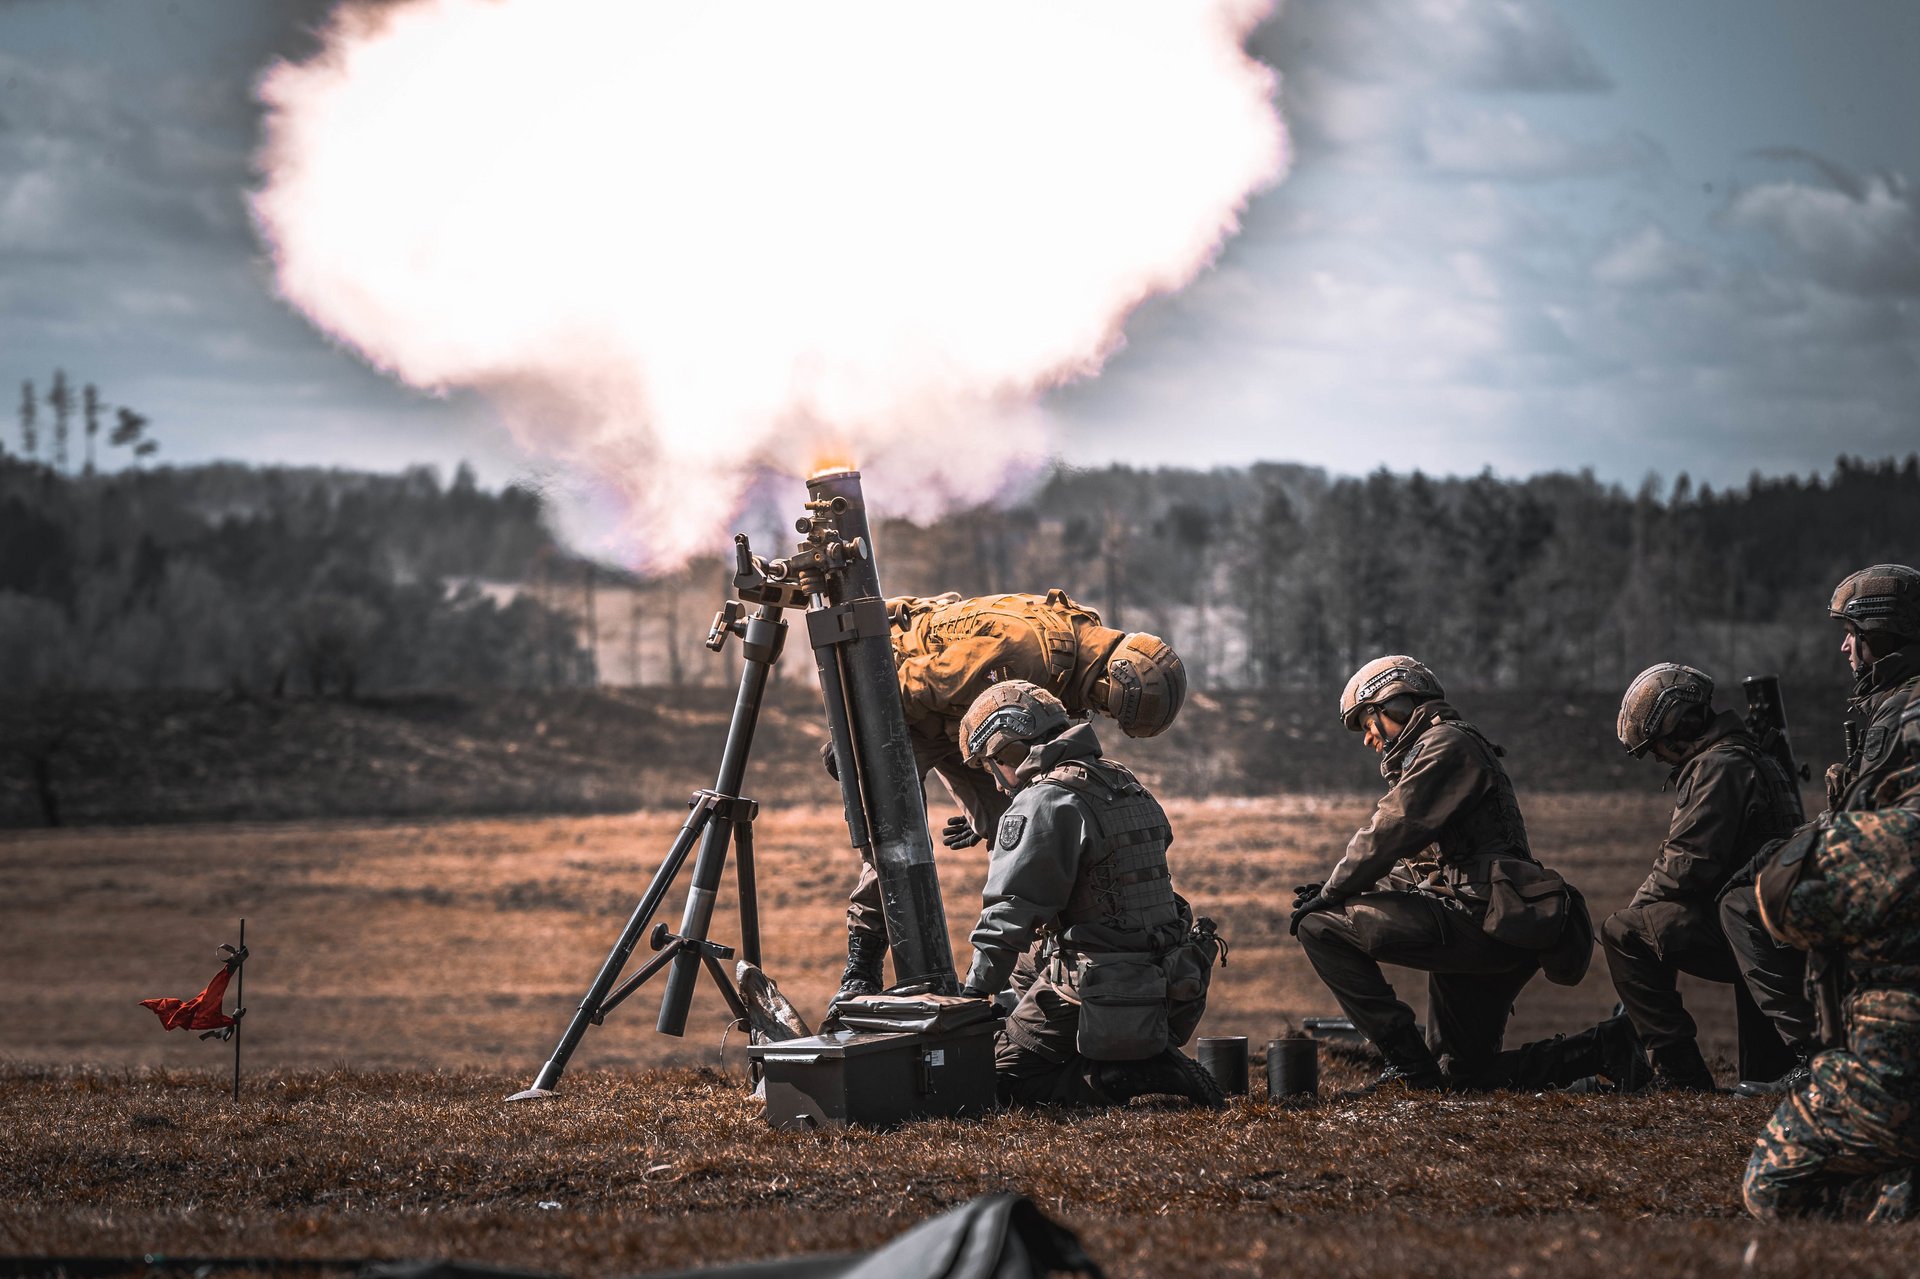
<point>1189,971</point>
<point>1123,1006</point>
<point>1826,981</point>
<point>1527,904</point>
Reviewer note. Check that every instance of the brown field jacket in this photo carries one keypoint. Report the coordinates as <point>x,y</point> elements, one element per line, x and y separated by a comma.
<point>1723,811</point>
<point>1447,792</point>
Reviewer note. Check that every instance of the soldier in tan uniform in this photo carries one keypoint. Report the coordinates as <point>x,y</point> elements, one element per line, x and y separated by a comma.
<point>1080,859</point>
<point>1449,833</point>
<point>1730,798</point>
<point>947,652</point>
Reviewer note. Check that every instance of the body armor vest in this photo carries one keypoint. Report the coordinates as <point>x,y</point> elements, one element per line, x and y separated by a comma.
<point>1492,825</point>
<point>1125,884</point>
<point>1052,622</point>
<point>1776,811</point>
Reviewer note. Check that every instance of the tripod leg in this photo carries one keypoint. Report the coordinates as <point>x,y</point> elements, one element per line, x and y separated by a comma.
<point>749,902</point>
<point>590,1007</point>
<point>727,991</point>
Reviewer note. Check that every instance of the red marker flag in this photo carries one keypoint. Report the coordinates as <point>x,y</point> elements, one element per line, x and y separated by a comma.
<point>202,1012</point>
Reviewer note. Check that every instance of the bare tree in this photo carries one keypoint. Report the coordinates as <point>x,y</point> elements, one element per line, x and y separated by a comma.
<point>29,420</point>
<point>593,628</point>
<point>130,429</point>
<point>60,400</point>
<point>634,615</point>
<point>90,401</point>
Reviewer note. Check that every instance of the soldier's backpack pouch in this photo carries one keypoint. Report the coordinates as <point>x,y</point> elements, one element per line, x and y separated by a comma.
<point>1527,904</point>
<point>1189,969</point>
<point>1566,961</point>
<point>1123,1006</point>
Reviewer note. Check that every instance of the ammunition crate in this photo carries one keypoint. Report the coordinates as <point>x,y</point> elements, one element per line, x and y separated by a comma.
<point>877,1079</point>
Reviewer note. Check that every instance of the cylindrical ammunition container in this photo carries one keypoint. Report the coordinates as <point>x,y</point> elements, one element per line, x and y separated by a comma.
<point>1225,1058</point>
<point>1293,1069</point>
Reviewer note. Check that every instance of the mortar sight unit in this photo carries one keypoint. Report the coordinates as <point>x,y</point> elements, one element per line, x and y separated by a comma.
<point>832,576</point>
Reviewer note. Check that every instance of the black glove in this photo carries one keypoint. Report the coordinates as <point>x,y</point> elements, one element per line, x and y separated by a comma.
<point>827,760</point>
<point>1319,901</point>
<point>973,992</point>
<point>1302,892</point>
<point>959,833</point>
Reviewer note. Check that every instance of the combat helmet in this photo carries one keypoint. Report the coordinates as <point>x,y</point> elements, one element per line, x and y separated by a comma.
<point>1144,685</point>
<point>1883,598</point>
<point>1657,700</point>
<point>1382,679</point>
<point>1012,711</point>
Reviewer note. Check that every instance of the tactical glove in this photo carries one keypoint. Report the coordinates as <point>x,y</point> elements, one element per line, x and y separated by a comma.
<point>828,761</point>
<point>1837,780</point>
<point>973,992</point>
<point>959,833</point>
<point>1302,892</point>
<point>1319,901</point>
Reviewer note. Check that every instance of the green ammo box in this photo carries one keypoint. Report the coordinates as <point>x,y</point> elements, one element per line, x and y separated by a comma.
<point>877,1079</point>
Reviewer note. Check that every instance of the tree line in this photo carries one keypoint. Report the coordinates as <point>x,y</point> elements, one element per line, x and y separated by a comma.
<point>338,583</point>
<point>1279,576</point>
<point>272,581</point>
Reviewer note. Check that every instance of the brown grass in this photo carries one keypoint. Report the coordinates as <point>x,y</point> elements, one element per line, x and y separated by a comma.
<point>673,1168</point>
<point>407,976</point>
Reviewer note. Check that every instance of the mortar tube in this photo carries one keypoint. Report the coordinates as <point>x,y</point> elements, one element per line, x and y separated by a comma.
<point>896,811</point>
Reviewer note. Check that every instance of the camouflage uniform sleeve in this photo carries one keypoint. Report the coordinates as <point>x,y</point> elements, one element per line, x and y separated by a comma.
<point>1441,775</point>
<point>1864,882</point>
<point>1707,815</point>
<point>1036,858</point>
<point>944,684</point>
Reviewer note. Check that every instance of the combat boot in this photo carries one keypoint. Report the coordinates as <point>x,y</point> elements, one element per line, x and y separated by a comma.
<point>1172,1074</point>
<point>866,955</point>
<point>1410,1065</point>
<point>1785,1084</point>
<point>1679,1067</point>
<point>1623,1058</point>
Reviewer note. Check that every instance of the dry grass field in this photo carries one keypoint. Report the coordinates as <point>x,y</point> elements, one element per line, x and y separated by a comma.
<point>406,975</point>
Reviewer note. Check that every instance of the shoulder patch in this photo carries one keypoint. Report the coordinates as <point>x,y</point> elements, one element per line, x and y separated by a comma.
<point>1879,744</point>
<point>1012,826</point>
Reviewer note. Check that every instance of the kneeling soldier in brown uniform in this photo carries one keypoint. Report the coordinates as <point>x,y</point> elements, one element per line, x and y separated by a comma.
<point>1730,798</point>
<point>947,651</point>
<point>1080,858</point>
<point>1446,792</point>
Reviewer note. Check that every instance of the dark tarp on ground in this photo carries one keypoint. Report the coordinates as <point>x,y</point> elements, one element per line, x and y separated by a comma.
<point>993,1237</point>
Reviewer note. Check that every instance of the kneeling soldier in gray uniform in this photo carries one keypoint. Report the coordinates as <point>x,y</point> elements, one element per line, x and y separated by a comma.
<point>1080,859</point>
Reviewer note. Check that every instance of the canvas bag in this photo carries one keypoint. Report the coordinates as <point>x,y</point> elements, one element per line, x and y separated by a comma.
<point>1527,904</point>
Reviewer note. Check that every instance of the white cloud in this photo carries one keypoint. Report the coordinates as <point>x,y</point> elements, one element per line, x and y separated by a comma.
<point>1477,142</point>
<point>1865,240</point>
<point>1650,259</point>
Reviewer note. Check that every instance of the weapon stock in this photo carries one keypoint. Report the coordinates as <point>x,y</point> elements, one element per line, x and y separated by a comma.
<point>1767,720</point>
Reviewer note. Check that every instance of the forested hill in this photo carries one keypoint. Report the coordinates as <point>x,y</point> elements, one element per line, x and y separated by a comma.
<point>1280,576</point>
<point>270,580</point>
<point>305,581</point>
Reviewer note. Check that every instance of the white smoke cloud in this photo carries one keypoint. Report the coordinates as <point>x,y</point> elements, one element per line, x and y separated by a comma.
<point>685,241</point>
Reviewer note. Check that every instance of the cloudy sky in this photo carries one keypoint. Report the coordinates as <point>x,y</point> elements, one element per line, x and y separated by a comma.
<point>1624,234</point>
